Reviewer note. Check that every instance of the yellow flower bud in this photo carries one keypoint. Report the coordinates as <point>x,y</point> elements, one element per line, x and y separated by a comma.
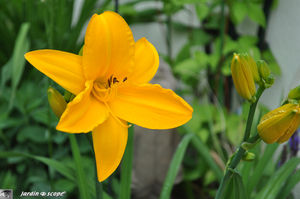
<point>295,93</point>
<point>56,101</point>
<point>280,124</point>
<point>247,59</point>
<point>242,77</point>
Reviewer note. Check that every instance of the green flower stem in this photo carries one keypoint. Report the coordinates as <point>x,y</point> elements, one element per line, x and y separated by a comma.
<point>169,38</point>
<point>117,6</point>
<point>236,159</point>
<point>251,113</point>
<point>254,139</point>
<point>99,188</point>
<point>126,168</point>
<point>82,184</point>
<point>240,152</point>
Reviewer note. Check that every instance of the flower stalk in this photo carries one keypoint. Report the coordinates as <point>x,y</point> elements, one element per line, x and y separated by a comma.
<point>237,156</point>
<point>126,168</point>
<point>83,189</point>
<point>251,113</point>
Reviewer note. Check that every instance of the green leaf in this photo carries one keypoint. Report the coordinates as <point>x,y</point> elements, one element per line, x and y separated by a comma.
<point>234,189</point>
<point>6,122</point>
<point>183,2</point>
<point>43,116</point>
<point>174,166</point>
<point>209,177</point>
<point>270,59</point>
<point>188,67</point>
<point>203,150</point>
<point>230,45</point>
<point>278,179</point>
<point>234,128</point>
<point>287,188</point>
<point>184,53</point>
<point>246,42</point>
<point>5,75</point>
<point>238,12</point>
<point>226,68</point>
<point>239,187</point>
<point>32,133</point>
<point>200,37</point>
<point>202,10</point>
<point>259,169</point>
<point>64,184</point>
<point>246,170</point>
<point>56,165</point>
<point>229,187</point>
<point>8,181</point>
<point>188,70</point>
<point>195,172</point>
<point>106,196</point>
<point>18,61</point>
<point>255,12</point>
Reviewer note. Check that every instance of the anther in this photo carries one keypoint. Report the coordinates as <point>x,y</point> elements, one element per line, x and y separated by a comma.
<point>109,80</point>
<point>124,79</point>
<point>115,80</point>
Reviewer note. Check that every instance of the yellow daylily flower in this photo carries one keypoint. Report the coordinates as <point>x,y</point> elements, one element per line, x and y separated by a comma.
<point>280,124</point>
<point>111,84</point>
<point>242,77</point>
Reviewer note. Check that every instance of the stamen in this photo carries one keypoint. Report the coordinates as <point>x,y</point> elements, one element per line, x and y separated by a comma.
<point>109,80</point>
<point>115,80</point>
<point>105,91</point>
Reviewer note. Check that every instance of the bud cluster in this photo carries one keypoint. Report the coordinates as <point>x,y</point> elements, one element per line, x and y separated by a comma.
<point>246,72</point>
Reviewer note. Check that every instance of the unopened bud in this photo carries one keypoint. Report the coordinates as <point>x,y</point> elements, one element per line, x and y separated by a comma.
<point>294,93</point>
<point>263,69</point>
<point>242,77</point>
<point>269,81</point>
<point>253,67</point>
<point>56,101</point>
<point>280,124</point>
<point>248,156</point>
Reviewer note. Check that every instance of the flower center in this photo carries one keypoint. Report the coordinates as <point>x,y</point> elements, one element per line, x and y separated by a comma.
<point>104,91</point>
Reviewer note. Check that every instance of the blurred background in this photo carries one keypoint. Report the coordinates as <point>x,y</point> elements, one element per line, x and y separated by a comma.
<point>195,40</point>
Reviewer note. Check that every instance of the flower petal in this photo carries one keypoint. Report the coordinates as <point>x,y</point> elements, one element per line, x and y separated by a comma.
<point>146,62</point>
<point>151,106</point>
<point>294,124</point>
<point>62,67</point>
<point>109,140</point>
<point>83,114</point>
<point>278,124</point>
<point>108,48</point>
